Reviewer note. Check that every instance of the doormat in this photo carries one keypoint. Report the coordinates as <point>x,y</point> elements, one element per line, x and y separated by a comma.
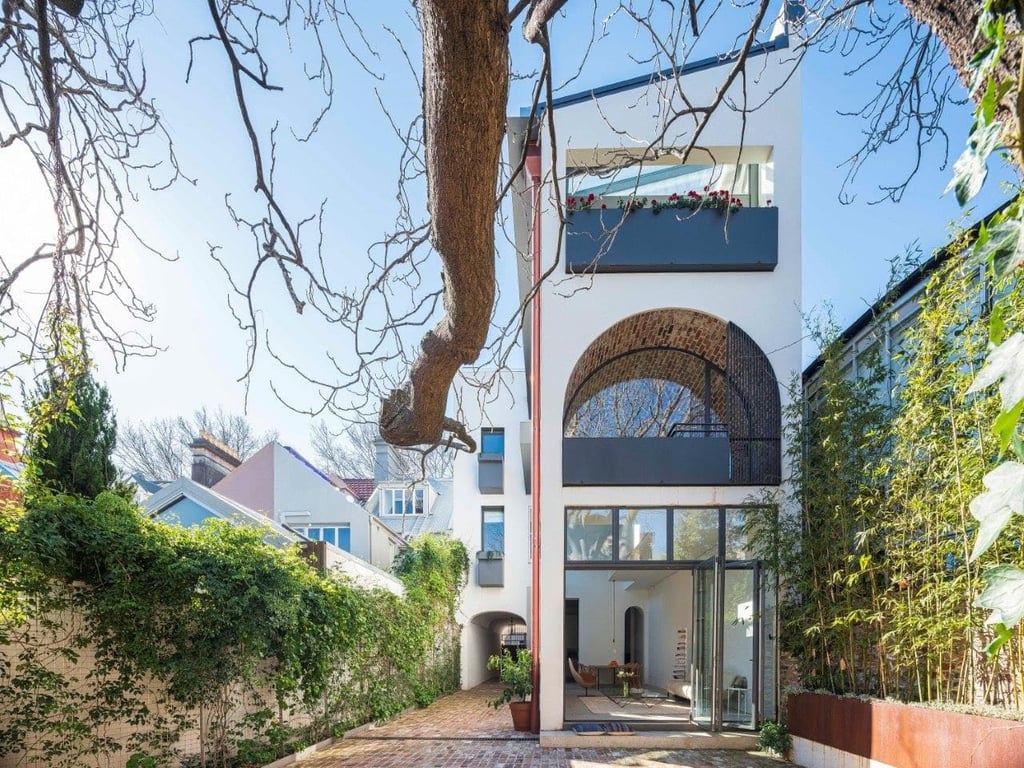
<point>598,729</point>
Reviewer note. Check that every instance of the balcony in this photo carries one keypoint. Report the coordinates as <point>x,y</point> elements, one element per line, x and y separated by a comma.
<point>490,569</point>
<point>672,240</point>
<point>646,461</point>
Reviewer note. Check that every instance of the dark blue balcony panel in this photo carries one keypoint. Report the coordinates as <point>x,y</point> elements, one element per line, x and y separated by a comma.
<point>646,461</point>
<point>490,473</point>
<point>672,240</point>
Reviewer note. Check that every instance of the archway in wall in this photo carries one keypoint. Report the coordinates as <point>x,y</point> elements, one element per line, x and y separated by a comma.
<point>490,633</point>
<point>667,374</point>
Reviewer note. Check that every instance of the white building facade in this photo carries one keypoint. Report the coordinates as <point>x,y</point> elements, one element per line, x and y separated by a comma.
<point>656,376</point>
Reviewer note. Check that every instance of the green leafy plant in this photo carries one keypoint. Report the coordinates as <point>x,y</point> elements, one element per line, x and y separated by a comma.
<point>516,674</point>
<point>207,617</point>
<point>775,738</point>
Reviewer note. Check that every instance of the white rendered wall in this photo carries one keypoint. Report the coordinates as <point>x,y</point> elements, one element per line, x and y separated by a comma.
<point>577,309</point>
<point>506,408</point>
<point>298,491</point>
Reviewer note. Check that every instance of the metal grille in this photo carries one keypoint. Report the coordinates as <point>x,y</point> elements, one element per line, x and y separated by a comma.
<point>753,412</point>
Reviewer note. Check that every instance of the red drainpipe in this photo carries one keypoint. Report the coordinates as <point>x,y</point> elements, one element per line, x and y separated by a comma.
<point>533,169</point>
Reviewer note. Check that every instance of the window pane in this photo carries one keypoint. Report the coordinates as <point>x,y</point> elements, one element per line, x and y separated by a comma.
<point>329,535</point>
<point>643,534</point>
<point>588,534</point>
<point>419,501</point>
<point>314,534</point>
<point>345,539</point>
<point>492,441</point>
<point>695,534</point>
<point>494,530</point>
<point>735,539</point>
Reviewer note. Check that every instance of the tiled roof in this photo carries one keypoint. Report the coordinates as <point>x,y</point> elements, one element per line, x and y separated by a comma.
<point>361,487</point>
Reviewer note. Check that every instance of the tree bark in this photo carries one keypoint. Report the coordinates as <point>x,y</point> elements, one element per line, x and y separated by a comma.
<point>465,91</point>
<point>953,22</point>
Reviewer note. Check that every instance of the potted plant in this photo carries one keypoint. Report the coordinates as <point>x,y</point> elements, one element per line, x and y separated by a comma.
<point>516,674</point>
<point>775,739</point>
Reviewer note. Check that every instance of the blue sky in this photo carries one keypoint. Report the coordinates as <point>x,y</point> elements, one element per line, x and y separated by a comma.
<point>353,165</point>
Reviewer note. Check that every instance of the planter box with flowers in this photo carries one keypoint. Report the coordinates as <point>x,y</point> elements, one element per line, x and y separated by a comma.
<point>695,232</point>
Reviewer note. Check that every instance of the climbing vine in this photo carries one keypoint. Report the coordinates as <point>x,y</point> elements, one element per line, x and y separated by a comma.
<point>97,602</point>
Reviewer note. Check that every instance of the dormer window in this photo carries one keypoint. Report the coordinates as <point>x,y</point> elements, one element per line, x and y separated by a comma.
<point>403,501</point>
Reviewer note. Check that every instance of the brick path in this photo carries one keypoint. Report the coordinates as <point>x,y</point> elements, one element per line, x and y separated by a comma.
<point>460,731</point>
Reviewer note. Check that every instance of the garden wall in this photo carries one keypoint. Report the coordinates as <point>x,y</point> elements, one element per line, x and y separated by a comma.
<point>830,731</point>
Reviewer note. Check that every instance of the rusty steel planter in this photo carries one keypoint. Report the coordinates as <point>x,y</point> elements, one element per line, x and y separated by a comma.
<point>904,735</point>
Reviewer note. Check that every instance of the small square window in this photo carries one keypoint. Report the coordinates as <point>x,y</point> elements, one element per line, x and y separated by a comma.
<point>492,441</point>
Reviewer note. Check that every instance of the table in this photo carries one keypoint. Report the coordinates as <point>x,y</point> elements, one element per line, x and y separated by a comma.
<point>610,668</point>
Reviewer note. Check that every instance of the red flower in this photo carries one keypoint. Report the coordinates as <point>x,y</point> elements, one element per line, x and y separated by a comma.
<point>706,188</point>
<point>603,206</point>
<point>590,196</point>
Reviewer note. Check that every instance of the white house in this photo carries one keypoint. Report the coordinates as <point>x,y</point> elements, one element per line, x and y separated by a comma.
<point>648,423</point>
<point>278,482</point>
<point>188,503</point>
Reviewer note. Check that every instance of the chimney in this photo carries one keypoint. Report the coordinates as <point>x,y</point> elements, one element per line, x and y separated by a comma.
<point>383,462</point>
<point>212,460</point>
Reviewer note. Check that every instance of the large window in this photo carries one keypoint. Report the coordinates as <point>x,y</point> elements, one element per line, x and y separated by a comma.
<point>588,534</point>
<point>644,534</point>
<point>403,501</point>
<point>493,533</point>
<point>338,535</point>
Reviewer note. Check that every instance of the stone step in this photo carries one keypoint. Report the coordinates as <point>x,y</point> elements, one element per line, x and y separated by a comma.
<point>689,739</point>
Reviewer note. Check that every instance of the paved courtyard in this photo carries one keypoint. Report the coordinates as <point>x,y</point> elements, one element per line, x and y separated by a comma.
<point>461,731</point>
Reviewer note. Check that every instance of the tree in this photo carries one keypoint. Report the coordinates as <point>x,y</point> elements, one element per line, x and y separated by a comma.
<point>73,451</point>
<point>159,448</point>
<point>352,454</point>
<point>76,102</point>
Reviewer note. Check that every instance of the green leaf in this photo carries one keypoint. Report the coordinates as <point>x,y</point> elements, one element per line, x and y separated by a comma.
<point>1002,635</point>
<point>997,324</point>
<point>1003,497</point>
<point>1005,426</point>
<point>1004,595</point>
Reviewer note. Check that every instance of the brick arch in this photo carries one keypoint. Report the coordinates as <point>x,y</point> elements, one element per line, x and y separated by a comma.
<point>709,357</point>
<point>661,335</point>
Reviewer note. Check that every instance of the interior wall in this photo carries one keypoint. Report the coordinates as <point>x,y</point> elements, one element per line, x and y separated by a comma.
<point>671,609</point>
<point>601,629</point>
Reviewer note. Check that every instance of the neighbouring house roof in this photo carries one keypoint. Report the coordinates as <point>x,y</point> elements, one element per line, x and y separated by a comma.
<point>438,519</point>
<point>909,283</point>
<point>361,488</point>
<point>11,469</point>
<point>162,503</point>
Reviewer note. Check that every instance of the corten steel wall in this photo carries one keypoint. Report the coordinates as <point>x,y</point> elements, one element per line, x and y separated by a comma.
<point>906,736</point>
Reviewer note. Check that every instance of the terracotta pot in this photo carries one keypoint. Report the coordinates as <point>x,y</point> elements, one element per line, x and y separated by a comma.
<point>520,715</point>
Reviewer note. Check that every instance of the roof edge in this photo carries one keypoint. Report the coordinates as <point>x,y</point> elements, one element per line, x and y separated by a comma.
<point>780,42</point>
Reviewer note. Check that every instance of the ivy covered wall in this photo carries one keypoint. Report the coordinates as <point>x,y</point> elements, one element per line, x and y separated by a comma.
<point>123,640</point>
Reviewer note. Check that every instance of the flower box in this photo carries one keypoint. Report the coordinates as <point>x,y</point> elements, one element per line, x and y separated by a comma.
<point>672,240</point>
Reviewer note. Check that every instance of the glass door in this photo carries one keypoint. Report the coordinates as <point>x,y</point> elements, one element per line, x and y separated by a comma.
<point>705,701</point>
<point>741,644</point>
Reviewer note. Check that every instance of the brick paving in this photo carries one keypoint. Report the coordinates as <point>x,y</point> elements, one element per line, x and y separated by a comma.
<point>460,731</point>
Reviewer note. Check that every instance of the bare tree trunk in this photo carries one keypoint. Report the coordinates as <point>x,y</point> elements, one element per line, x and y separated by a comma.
<point>953,22</point>
<point>465,91</point>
